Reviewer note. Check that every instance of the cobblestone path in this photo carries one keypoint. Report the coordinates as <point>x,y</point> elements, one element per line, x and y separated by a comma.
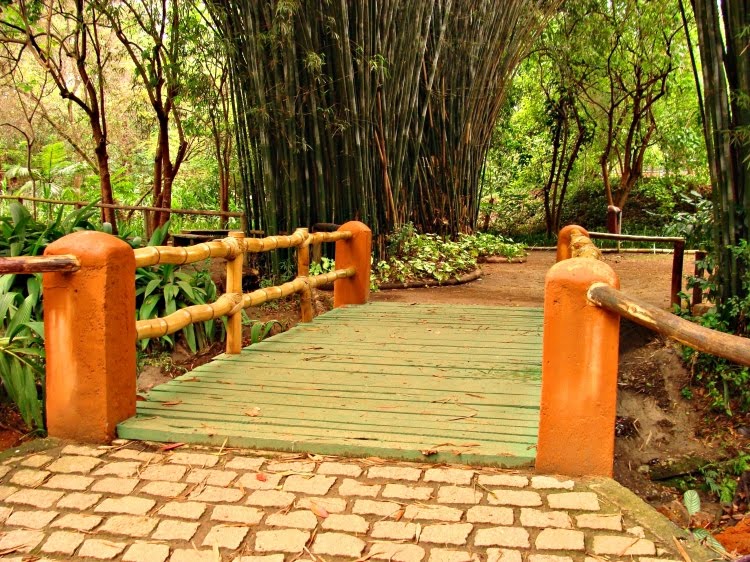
<point>135,503</point>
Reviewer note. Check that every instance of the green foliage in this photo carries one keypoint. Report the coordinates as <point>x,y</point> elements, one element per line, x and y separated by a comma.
<point>22,346</point>
<point>21,235</point>
<point>164,289</point>
<point>692,502</point>
<point>323,266</point>
<point>721,478</point>
<point>259,330</point>
<point>411,256</point>
<point>484,245</point>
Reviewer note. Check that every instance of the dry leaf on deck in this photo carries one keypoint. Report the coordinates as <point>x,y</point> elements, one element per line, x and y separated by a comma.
<point>318,510</point>
<point>254,413</point>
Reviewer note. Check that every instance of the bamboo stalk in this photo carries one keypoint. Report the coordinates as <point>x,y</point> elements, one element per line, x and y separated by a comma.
<point>234,287</point>
<point>39,264</point>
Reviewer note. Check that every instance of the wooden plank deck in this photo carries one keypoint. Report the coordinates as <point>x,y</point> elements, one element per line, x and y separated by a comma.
<point>440,383</point>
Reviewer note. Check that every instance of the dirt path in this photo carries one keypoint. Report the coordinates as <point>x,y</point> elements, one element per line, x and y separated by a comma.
<point>645,276</point>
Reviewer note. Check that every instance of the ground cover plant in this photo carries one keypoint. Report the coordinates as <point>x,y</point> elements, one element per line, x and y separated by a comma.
<point>411,256</point>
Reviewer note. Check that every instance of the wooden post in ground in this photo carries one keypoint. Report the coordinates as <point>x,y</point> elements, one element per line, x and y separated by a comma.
<point>89,325</point>
<point>579,373</point>
<point>234,285</point>
<point>677,262</point>
<point>355,252</point>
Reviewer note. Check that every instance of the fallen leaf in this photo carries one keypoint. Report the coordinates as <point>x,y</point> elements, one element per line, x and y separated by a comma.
<point>254,413</point>
<point>429,452</point>
<point>418,533</point>
<point>261,477</point>
<point>318,510</point>
<point>171,403</point>
<point>170,446</point>
<point>398,515</point>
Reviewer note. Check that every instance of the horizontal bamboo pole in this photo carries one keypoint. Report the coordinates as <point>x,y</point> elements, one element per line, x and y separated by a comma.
<point>39,264</point>
<point>633,238</point>
<point>581,246</point>
<point>126,207</point>
<point>224,248</point>
<point>158,327</point>
<point>326,278</point>
<point>320,237</point>
<point>181,255</point>
<point>730,347</point>
<point>257,245</point>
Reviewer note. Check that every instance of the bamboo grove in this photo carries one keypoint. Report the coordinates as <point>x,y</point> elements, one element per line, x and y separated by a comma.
<point>377,110</point>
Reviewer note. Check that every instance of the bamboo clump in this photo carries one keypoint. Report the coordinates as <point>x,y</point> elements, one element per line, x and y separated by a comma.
<point>382,110</point>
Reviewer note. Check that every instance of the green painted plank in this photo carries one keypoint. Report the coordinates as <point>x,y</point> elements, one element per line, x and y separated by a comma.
<point>155,430</point>
<point>273,376</point>
<point>341,400</point>
<point>297,433</point>
<point>254,363</point>
<point>401,392</point>
<point>348,425</point>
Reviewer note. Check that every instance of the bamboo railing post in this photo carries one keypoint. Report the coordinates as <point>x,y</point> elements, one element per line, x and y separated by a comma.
<point>303,270</point>
<point>90,338</point>
<point>355,252</point>
<point>579,373</point>
<point>677,262</point>
<point>234,286</point>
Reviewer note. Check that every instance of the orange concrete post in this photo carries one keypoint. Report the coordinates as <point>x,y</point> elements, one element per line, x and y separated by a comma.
<point>355,252</point>
<point>563,240</point>
<point>89,325</point>
<point>579,373</point>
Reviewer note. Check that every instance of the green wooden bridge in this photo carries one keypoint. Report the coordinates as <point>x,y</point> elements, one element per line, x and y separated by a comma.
<point>440,383</point>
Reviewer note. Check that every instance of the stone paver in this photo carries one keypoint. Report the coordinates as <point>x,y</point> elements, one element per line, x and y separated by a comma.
<point>173,530</point>
<point>31,519</point>
<point>63,542</point>
<point>338,544</point>
<point>132,504</point>
<point>146,552</point>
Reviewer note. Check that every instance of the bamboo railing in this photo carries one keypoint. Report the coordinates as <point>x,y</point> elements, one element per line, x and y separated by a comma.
<point>579,373</point>
<point>678,245</point>
<point>734,348</point>
<point>231,303</point>
<point>145,209</point>
<point>233,249</point>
